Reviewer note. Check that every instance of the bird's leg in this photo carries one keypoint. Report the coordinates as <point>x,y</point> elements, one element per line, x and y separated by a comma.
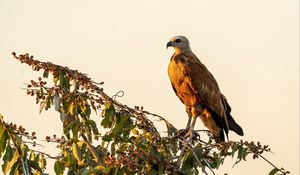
<point>189,130</point>
<point>190,127</point>
<point>189,112</point>
<point>188,138</point>
<point>183,132</point>
<point>193,124</point>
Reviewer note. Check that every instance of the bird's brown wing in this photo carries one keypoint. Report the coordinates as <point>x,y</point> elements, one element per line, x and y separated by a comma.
<point>203,83</point>
<point>173,86</point>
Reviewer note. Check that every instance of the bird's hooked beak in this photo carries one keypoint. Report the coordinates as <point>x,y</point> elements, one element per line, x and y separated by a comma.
<point>169,44</point>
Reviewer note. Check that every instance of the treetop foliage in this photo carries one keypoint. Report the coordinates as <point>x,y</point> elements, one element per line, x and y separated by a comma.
<point>122,140</point>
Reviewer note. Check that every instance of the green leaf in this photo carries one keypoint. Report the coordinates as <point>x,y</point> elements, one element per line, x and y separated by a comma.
<point>113,148</point>
<point>15,169</point>
<point>34,165</point>
<point>75,132</point>
<point>88,111</point>
<point>100,167</point>
<point>216,163</point>
<point>188,163</point>
<point>3,138</point>
<point>42,106</point>
<point>83,106</point>
<point>127,129</point>
<point>65,105</point>
<point>160,169</point>
<point>37,99</point>
<point>76,152</point>
<point>71,108</point>
<point>41,161</point>
<point>135,131</point>
<point>107,170</point>
<point>66,85</point>
<point>42,91</point>
<point>61,79</point>
<point>108,114</point>
<point>7,166</point>
<point>90,171</point>
<point>171,129</point>
<point>64,81</point>
<point>32,156</point>
<point>48,102</point>
<point>76,85</point>
<point>116,171</point>
<point>45,74</point>
<point>18,140</point>
<point>95,130</point>
<point>67,129</point>
<point>245,153</point>
<point>55,78</point>
<point>234,149</point>
<point>70,160</point>
<point>241,151</point>
<point>59,167</point>
<point>7,156</point>
<point>274,171</point>
<point>107,138</point>
<point>120,125</point>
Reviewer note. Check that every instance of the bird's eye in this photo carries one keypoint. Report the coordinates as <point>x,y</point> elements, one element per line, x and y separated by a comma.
<point>178,40</point>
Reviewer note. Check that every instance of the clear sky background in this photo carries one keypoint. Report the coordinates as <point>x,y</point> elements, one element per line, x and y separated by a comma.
<point>251,47</point>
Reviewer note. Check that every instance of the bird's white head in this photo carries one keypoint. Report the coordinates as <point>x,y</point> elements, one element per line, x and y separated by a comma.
<point>180,43</point>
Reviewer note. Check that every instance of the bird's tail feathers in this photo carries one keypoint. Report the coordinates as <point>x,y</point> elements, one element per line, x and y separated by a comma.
<point>220,122</point>
<point>221,137</point>
<point>234,126</point>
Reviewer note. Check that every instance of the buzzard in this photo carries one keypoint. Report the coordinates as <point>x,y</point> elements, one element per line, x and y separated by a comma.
<point>198,90</point>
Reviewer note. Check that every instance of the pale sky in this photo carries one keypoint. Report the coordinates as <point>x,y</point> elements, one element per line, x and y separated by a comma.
<point>251,48</point>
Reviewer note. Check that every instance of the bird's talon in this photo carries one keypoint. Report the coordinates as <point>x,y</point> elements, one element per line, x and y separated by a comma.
<point>187,134</point>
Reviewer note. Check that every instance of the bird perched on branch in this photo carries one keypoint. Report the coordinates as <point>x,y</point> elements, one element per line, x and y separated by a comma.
<point>198,90</point>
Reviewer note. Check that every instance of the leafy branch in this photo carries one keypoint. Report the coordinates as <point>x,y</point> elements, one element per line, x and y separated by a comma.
<point>122,140</point>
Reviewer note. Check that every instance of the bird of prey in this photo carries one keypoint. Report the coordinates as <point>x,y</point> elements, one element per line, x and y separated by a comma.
<point>198,90</point>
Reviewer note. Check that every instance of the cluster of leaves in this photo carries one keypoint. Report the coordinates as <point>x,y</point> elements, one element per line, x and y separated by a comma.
<point>17,157</point>
<point>122,140</point>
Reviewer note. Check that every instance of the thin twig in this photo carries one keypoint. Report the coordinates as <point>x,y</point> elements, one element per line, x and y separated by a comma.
<point>46,154</point>
<point>271,164</point>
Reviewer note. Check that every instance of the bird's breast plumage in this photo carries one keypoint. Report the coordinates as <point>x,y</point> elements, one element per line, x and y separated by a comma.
<point>177,72</point>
